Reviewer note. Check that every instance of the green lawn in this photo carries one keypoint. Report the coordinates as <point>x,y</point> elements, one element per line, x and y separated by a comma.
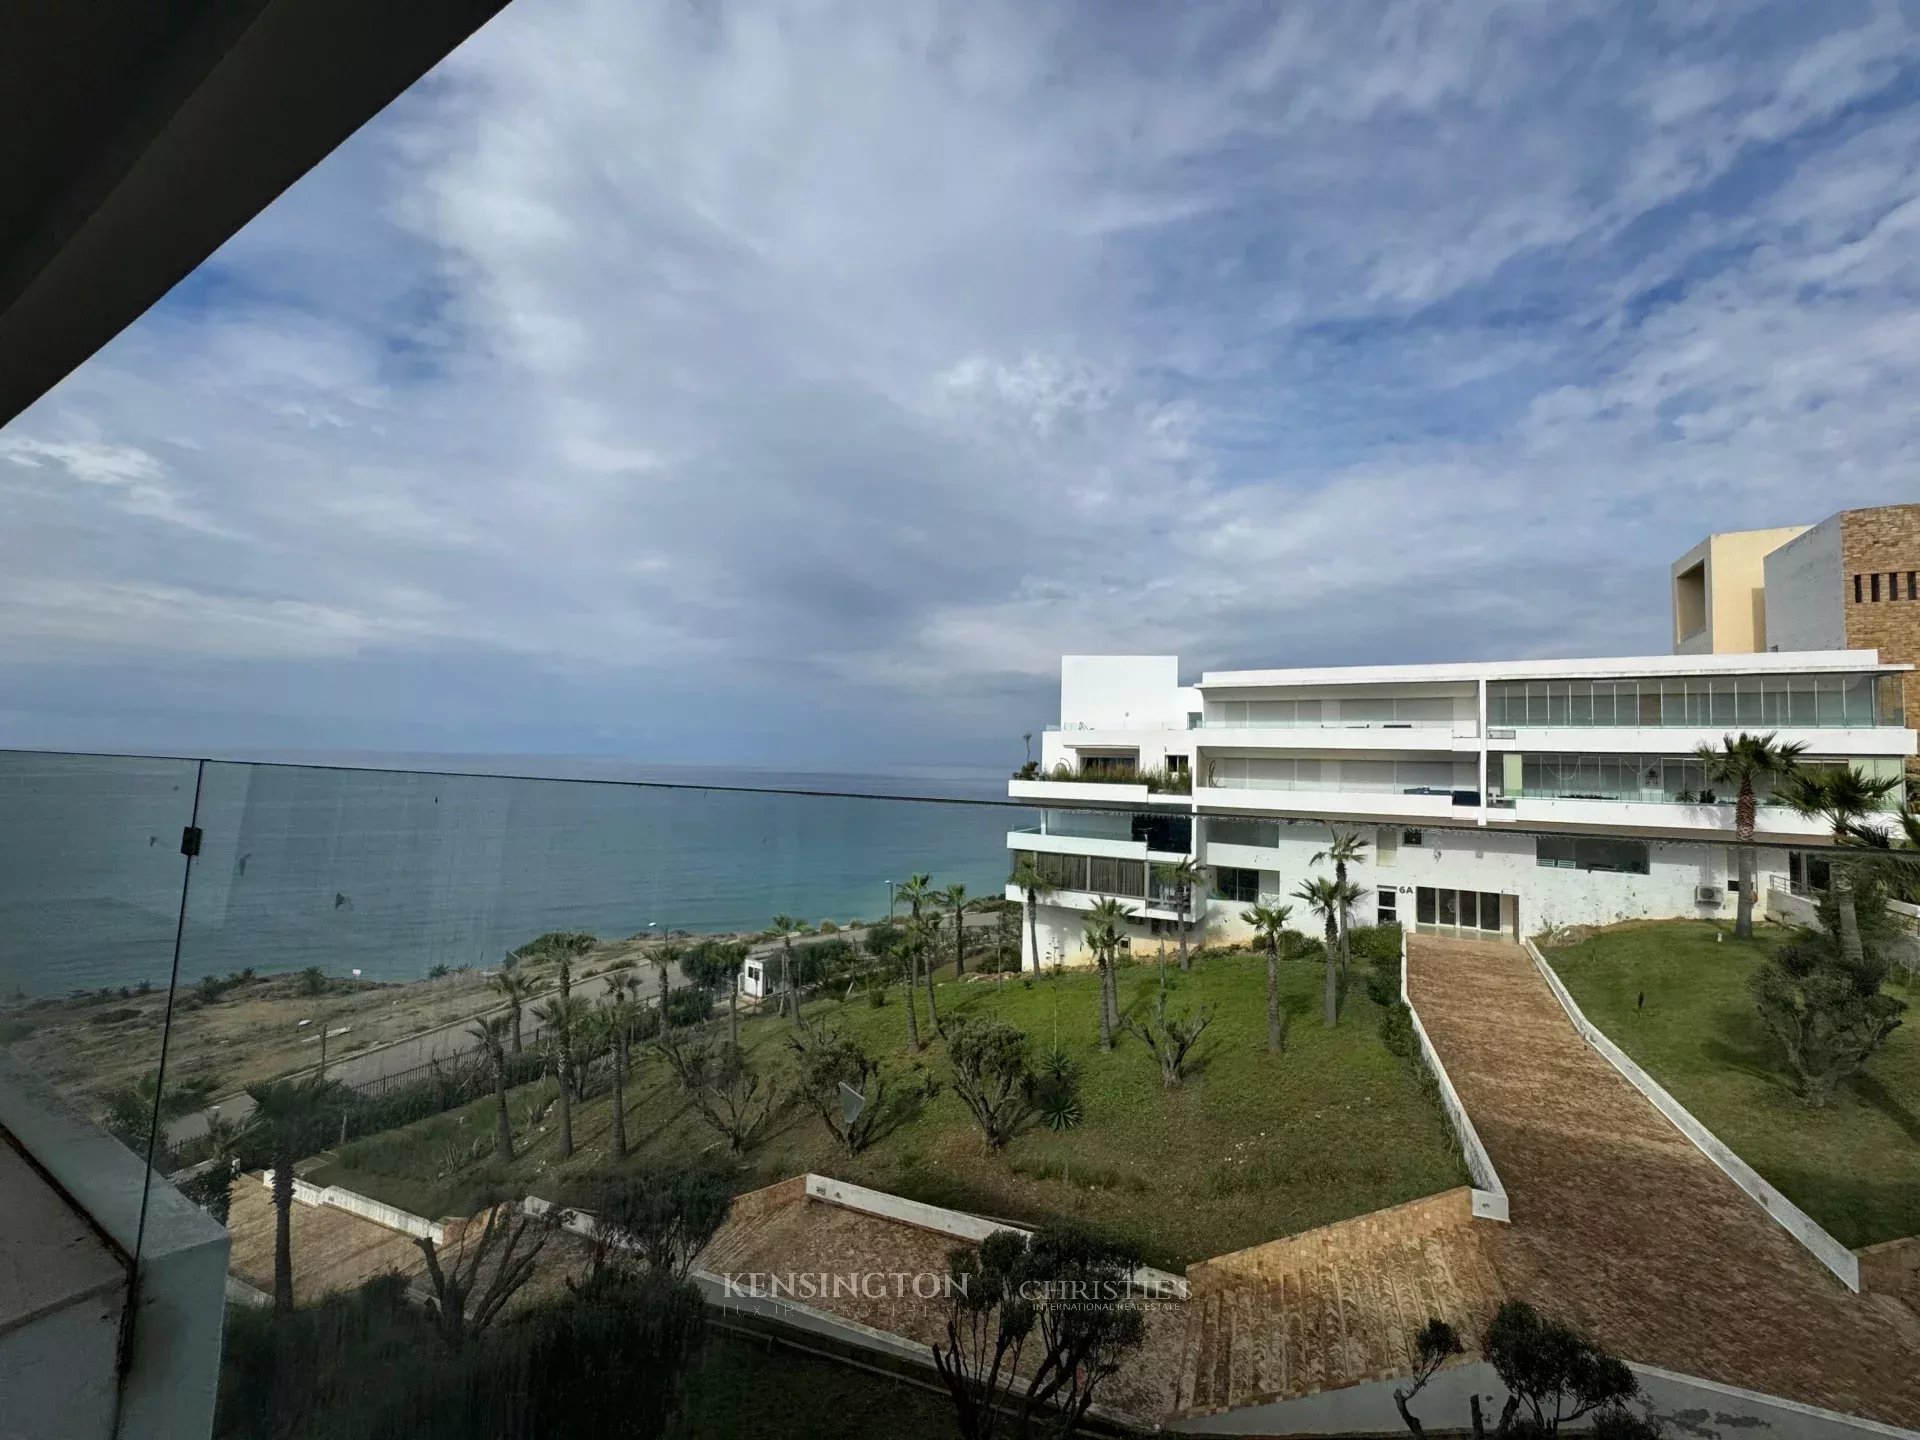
<point>1253,1147</point>
<point>752,1387</point>
<point>1854,1166</point>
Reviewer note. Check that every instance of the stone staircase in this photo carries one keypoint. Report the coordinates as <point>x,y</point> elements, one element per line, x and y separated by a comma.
<point>1332,1307</point>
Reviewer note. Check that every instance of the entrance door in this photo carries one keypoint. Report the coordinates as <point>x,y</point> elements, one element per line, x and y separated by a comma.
<point>1458,912</point>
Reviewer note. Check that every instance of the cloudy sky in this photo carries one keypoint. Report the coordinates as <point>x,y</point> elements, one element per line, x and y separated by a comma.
<point>794,383</point>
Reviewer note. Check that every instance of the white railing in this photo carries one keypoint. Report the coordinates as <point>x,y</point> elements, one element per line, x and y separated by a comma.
<point>1489,1194</point>
<point>1795,1221</point>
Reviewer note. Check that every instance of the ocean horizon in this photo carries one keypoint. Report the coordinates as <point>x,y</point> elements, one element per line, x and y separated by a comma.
<point>393,863</point>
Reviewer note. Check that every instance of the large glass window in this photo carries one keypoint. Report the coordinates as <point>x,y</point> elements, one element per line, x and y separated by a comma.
<point>1240,886</point>
<point>1591,852</point>
<point>1235,830</point>
<point>1704,701</point>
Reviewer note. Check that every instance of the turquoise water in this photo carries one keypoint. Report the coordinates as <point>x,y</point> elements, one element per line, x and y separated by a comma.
<point>393,871</point>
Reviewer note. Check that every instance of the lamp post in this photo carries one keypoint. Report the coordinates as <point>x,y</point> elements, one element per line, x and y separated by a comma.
<point>890,885</point>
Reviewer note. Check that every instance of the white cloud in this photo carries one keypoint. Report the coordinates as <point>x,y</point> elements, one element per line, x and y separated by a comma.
<point>849,359</point>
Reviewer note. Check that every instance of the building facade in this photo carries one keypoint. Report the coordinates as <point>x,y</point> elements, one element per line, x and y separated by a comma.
<point>1852,582</point>
<point>1493,798</point>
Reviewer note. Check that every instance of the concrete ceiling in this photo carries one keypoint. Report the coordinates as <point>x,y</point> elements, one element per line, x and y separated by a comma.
<point>140,134</point>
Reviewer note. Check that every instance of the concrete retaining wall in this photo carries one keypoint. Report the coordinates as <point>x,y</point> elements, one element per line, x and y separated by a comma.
<point>1892,1268</point>
<point>406,1223</point>
<point>1699,1409</point>
<point>1489,1194</point>
<point>1797,1223</point>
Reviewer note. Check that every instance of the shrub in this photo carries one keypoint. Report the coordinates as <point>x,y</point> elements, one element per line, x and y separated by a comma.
<point>665,1214</point>
<point>687,1006</point>
<point>828,1061</point>
<point>1828,1015</point>
<point>993,1075</point>
<point>1376,944</point>
<point>1396,1030</point>
<point>313,981</point>
<point>1383,987</point>
<point>554,944</point>
<point>829,927</point>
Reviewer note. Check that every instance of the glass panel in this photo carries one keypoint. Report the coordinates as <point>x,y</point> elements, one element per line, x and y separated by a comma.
<point>1423,905</point>
<point>91,882</point>
<point>1856,706</point>
<point>1557,695</point>
<point>1723,699</point>
<point>1580,704</point>
<point>1673,701</point>
<point>1537,702</point>
<point>1489,911</point>
<point>1602,702</point>
<point>1800,700</point>
<point>1449,908</point>
<point>1747,709</point>
<point>1888,707</point>
<point>1470,909</point>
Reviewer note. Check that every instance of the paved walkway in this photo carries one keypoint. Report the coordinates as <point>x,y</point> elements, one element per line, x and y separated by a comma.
<point>1623,1227</point>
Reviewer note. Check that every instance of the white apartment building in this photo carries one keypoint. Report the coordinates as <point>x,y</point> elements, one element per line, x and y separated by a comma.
<point>1498,798</point>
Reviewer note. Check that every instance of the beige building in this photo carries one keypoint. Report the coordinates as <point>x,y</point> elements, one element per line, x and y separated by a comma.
<point>1852,582</point>
<point>1719,592</point>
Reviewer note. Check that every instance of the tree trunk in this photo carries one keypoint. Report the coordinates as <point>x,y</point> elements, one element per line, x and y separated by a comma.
<point>786,980</point>
<point>516,1027</point>
<point>500,1105</point>
<point>959,943</point>
<point>566,1101</point>
<point>933,1006</point>
<point>1273,998</point>
<point>283,1230</point>
<point>1186,899</point>
<point>913,1017</point>
<point>733,1012</point>
<point>619,1100</point>
<point>1850,950</point>
<point>1033,928</point>
<point>1746,813</point>
<point>1330,1001</point>
<point>1106,1015</point>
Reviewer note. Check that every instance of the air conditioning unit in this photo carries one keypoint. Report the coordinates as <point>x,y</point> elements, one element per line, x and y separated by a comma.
<point>1708,894</point>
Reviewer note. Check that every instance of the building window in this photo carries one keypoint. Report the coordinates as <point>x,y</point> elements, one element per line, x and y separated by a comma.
<point>1410,837</point>
<point>1913,584</point>
<point>1858,592</point>
<point>1386,906</point>
<point>1176,764</point>
<point>1585,852</point>
<point>1233,830</point>
<point>1873,586</point>
<point>1241,886</point>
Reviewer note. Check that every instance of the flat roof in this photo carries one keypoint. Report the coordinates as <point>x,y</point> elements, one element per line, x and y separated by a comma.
<point>1615,667</point>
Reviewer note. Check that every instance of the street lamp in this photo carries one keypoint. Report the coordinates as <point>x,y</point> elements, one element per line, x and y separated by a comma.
<point>890,885</point>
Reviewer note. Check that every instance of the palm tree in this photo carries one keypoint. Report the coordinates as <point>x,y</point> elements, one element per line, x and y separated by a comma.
<point>666,955</point>
<point>954,898</point>
<point>917,891</point>
<point>514,986</point>
<point>786,927</point>
<point>926,932</point>
<point>1346,849</point>
<point>1269,923</point>
<point>622,1009</point>
<point>1035,886</point>
<point>491,1031</point>
<point>288,1115</point>
<point>1181,877</point>
<point>1103,932</point>
<point>562,1016</point>
<point>1841,796</point>
<point>1896,856</point>
<point>1325,897</point>
<point>906,954</point>
<point>1740,761</point>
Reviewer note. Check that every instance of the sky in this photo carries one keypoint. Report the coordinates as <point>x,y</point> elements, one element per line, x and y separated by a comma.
<point>792,384</point>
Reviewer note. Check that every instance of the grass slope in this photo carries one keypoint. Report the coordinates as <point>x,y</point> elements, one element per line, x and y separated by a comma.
<point>1252,1147</point>
<point>1854,1166</point>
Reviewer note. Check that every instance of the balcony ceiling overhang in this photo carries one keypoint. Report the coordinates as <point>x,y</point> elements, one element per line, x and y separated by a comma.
<point>141,134</point>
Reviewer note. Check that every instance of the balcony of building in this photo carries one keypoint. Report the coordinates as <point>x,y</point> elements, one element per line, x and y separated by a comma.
<point>1403,787</point>
<point>1422,721</point>
<point>1109,777</point>
<point>1856,714</point>
<point>1652,793</point>
<point>1117,835</point>
<point>1081,881</point>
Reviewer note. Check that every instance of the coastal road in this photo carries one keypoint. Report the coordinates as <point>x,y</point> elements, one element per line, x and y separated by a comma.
<point>453,1039</point>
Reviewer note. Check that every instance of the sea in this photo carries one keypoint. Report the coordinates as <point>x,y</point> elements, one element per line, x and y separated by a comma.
<point>393,865</point>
